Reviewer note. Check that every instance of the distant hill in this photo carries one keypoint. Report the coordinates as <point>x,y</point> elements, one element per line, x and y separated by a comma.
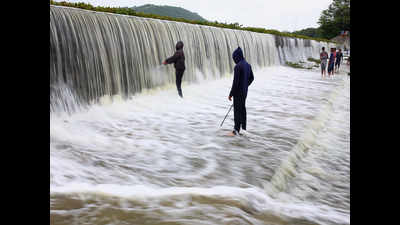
<point>170,11</point>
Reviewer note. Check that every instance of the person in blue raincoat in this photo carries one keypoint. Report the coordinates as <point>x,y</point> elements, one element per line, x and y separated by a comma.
<point>242,78</point>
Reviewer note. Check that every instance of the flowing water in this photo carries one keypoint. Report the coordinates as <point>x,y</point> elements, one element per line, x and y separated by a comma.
<point>125,149</point>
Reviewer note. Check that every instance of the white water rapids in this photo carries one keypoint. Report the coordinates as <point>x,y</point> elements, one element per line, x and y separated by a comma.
<point>159,159</point>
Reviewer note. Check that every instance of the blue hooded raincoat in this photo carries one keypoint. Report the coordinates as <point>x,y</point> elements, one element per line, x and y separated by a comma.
<point>243,75</point>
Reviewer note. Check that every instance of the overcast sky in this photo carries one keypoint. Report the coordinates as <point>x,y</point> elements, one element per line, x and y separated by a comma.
<point>282,15</point>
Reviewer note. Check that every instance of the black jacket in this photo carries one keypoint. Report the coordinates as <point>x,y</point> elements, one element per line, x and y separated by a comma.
<point>178,59</point>
<point>243,75</point>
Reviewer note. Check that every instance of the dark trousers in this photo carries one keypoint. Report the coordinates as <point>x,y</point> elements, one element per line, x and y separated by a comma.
<point>337,63</point>
<point>239,112</point>
<point>179,75</point>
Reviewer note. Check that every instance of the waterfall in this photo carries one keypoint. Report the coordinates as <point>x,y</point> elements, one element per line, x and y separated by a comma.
<point>95,54</point>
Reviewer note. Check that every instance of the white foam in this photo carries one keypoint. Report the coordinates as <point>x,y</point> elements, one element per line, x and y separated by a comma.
<point>158,145</point>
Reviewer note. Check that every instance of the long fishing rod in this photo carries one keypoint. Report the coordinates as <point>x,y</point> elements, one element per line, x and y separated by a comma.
<point>226,115</point>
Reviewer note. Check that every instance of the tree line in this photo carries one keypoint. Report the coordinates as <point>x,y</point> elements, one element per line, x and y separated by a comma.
<point>332,21</point>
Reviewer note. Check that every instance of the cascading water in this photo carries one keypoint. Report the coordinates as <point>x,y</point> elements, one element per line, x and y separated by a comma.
<point>149,157</point>
<point>99,54</point>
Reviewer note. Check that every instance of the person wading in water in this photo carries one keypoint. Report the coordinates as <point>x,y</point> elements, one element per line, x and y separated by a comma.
<point>324,58</point>
<point>339,57</point>
<point>178,59</point>
<point>331,62</point>
<point>242,78</point>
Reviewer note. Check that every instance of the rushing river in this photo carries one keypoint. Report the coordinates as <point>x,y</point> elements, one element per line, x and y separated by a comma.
<point>159,159</point>
<point>125,149</point>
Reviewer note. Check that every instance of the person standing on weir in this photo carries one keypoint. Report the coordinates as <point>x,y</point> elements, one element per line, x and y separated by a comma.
<point>324,58</point>
<point>178,59</point>
<point>339,57</point>
<point>331,62</point>
<point>242,78</point>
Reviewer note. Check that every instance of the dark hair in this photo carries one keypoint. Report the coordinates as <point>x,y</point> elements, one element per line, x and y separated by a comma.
<point>323,48</point>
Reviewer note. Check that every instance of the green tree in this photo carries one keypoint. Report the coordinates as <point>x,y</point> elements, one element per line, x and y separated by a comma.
<point>335,19</point>
<point>310,32</point>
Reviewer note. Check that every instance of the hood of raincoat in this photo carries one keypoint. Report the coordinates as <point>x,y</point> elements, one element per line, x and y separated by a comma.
<point>237,55</point>
<point>179,45</point>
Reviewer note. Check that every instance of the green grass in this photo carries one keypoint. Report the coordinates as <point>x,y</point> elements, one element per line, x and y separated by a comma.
<point>318,61</point>
<point>298,65</point>
<point>131,12</point>
<point>295,65</point>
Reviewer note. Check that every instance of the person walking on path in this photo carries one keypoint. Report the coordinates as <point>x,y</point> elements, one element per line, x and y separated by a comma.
<point>339,57</point>
<point>323,56</point>
<point>178,59</point>
<point>242,78</point>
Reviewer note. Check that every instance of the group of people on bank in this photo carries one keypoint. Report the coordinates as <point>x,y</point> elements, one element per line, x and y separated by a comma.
<point>332,61</point>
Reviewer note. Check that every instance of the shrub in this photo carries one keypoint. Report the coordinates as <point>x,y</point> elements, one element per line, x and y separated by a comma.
<point>294,65</point>
<point>318,61</point>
